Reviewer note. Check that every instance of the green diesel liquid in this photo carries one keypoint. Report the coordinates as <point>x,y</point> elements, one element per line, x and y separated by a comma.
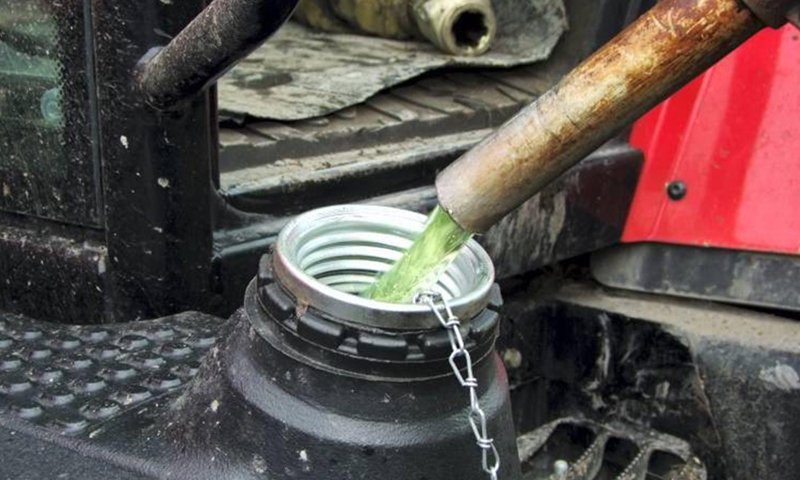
<point>421,265</point>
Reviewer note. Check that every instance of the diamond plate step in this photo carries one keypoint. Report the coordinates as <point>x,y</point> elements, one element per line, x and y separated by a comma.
<point>71,378</point>
<point>575,449</point>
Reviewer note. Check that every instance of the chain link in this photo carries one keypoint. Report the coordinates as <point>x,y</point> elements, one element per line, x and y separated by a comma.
<point>477,417</point>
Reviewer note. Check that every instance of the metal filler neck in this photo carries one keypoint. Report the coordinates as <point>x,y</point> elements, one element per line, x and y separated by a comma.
<point>326,257</point>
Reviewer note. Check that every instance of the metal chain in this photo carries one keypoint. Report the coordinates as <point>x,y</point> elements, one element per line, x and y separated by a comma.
<point>477,417</point>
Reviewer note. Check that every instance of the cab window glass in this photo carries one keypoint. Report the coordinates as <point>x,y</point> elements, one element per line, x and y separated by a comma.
<point>46,164</point>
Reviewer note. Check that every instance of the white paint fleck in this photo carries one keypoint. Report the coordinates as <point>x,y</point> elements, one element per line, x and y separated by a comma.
<point>662,390</point>
<point>215,406</point>
<point>101,265</point>
<point>560,468</point>
<point>259,464</point>
<point>303,456</point>
<point>781,376</point>
<point>163,182</point>
<point>124,141</point>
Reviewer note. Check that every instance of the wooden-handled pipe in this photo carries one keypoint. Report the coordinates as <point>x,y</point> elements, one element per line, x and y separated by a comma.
<point>664,49</point>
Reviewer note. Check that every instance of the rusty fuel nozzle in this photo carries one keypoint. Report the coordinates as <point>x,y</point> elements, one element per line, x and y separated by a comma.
<point>661,51</point>
<point>458,27</point>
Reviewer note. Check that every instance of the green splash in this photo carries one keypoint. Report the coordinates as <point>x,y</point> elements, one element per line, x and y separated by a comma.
<point>421,265</point>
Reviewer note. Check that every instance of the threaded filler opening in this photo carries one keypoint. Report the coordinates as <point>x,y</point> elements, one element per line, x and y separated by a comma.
<point>328,256</point>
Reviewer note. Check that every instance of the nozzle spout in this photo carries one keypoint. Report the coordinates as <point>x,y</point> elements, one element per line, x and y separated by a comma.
<point>465,27</point>
<point>664,49</point>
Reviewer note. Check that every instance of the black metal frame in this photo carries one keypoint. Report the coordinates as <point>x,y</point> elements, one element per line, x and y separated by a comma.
<point>759,279</point>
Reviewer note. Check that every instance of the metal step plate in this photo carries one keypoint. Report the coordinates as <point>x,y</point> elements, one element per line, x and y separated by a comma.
<point>575,449</point>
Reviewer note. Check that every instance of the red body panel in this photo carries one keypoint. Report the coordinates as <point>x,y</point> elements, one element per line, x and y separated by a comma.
<point>733,137</point>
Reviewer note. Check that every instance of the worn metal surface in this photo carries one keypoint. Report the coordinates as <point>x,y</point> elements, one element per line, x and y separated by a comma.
<point>749,278</point>
<point>222,34</point>
<point>301,74</point>
<point>662,50</point>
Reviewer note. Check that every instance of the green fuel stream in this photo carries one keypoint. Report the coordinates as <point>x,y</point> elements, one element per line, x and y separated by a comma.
<point>421,265</point>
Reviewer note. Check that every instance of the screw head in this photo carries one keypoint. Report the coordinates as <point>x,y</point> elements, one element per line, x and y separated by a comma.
<point>676,190</point>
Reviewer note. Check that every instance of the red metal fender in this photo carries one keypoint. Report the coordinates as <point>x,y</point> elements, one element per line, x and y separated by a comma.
<point>732,137</point>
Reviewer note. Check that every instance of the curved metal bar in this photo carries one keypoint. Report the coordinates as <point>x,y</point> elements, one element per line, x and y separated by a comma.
<point>222,34</point>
